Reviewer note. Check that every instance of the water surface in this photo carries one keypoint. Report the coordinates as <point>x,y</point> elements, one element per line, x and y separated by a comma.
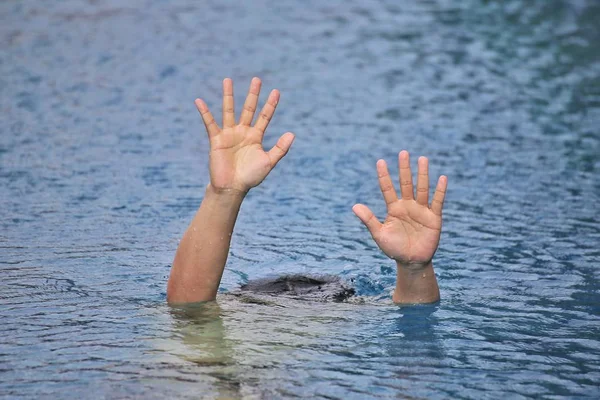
<point>103,161</point>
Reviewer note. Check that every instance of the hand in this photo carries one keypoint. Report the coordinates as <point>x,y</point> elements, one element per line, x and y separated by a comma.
<point>237,159</point>
<point>411,231</point>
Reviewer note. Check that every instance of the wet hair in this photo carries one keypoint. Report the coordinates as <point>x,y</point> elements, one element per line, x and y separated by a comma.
<point>309,287</point>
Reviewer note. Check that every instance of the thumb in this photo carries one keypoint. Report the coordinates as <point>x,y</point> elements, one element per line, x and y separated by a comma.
<point>281,148</point>
<point>368,218</point>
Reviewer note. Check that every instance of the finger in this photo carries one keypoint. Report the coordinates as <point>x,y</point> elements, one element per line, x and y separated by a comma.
<point>209,122</point>
<point>267,111</point>
<point>228,110</point>
<point>250,103</point>
<point>281,148</point>
<point>440,193</point>
<point>385,183</point>
<point>406,185</point>
<point>368,218</point>
<point>423,181</point>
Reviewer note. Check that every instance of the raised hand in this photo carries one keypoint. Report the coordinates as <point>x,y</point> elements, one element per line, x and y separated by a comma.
<point>237,164</point>
<point>237,159</point>
<point>411,231</point>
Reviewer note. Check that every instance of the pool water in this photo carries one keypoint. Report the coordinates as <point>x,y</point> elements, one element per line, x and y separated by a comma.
<point>103,162</point>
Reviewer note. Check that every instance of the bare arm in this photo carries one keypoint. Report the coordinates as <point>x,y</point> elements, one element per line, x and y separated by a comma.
<point>237,164</point>
<point>411,231</point>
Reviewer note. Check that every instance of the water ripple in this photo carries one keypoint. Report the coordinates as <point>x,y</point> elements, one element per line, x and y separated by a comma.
<point>103,162</point>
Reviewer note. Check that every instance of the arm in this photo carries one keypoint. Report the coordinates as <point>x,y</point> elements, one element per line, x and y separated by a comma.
<point>411,231</point>
<point>237,164</point>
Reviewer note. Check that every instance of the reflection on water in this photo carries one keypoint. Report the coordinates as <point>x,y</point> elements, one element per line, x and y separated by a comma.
<point>200,328</point>
<point>245,346</point>
<point>103,163</point>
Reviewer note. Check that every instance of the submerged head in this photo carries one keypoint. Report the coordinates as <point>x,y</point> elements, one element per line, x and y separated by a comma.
<point>309,287</point>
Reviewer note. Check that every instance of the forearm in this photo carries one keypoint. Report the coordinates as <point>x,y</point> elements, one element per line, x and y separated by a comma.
<point>202,253</point>
<point>415,285</point>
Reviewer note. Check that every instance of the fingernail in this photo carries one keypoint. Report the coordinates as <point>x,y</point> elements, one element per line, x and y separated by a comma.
<point>201,105</point>
<point>274,96</point>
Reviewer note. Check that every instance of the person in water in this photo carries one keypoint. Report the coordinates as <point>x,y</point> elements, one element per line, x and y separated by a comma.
<point>409,235</point>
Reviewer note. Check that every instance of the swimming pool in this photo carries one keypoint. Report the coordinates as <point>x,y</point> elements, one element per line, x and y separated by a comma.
<point>103,163</point>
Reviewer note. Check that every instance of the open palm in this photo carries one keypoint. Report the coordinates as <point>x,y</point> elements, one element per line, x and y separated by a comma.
<point>237,158</point>
<point>411,231</point>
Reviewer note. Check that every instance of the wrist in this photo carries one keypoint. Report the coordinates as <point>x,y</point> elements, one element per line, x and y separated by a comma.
<point>413,266</point>
<point>415,283</point>
<point>225,193</point>
<point>223,200</point>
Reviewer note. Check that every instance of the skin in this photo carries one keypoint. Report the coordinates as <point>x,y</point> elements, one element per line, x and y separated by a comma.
<point>238,162</point>
<point>410,234</point>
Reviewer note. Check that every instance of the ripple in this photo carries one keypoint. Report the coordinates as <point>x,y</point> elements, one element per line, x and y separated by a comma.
<point>103,162</point>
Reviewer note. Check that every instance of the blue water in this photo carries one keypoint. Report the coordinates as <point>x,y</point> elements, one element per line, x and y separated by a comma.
<point>103,161</point>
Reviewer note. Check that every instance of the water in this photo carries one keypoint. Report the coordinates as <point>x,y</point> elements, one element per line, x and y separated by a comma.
<point>104,160</point>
